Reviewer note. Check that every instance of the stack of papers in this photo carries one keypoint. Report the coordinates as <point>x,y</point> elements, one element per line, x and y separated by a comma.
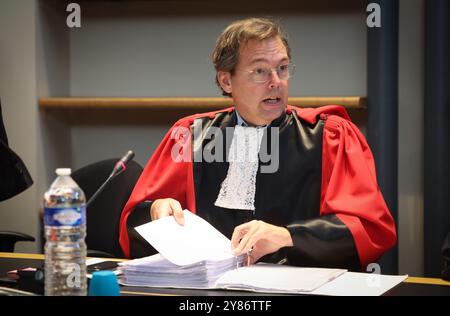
<point>194,255</point>
<point>156,271</point>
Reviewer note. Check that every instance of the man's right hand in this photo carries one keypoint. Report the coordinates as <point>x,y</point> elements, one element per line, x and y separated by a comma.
<point>167,207</point>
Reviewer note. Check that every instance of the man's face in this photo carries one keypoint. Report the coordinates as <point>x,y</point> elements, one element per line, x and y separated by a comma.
<point>258,103</point>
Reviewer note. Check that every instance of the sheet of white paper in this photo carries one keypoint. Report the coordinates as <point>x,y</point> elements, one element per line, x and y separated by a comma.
<point>274,278</point>
<point>360,284</point>
<point>195,241</point>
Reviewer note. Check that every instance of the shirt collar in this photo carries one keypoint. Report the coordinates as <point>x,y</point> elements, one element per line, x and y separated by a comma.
<point>240,120</point>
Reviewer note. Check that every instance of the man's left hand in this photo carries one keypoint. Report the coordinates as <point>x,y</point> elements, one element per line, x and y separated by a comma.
<point>259,239</point>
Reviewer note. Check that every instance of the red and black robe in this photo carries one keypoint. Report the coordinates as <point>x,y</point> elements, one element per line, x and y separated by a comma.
<point>324,192</point>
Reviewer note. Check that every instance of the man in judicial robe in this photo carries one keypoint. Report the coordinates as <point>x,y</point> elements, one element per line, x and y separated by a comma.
<point>287,185</point>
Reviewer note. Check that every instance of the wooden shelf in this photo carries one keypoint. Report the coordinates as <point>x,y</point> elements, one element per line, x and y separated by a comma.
<point>194,103</point>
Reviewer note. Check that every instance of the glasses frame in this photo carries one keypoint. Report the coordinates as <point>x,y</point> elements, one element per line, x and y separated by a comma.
<point>291,71</point>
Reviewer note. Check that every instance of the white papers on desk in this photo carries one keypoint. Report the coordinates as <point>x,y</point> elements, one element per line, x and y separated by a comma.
<point>264,278</point>
<point>273,278</point>
<point>156,271</point>
<point>311,281</point>
<point>194,255</point>
<point>197,255</point>
<point>360,284</point>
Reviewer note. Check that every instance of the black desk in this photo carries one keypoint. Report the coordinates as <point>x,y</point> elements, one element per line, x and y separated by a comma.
<point>411,286</point>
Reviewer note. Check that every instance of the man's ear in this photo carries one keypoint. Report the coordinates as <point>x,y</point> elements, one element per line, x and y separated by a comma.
<point>224,79</point>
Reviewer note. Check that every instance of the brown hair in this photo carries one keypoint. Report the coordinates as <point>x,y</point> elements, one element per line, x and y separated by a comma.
<point>226,53</point>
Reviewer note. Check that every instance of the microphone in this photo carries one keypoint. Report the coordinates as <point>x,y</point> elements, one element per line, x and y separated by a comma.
<point>121,164</point>
<point>119,167</point>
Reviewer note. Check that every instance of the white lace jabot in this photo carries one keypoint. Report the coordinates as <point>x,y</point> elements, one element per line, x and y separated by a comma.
<point>238,189</point>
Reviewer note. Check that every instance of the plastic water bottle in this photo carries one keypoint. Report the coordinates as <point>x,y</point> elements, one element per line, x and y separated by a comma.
<point>65,231</point>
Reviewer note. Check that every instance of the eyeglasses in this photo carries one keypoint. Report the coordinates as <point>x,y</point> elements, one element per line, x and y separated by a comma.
<point>262,75</point>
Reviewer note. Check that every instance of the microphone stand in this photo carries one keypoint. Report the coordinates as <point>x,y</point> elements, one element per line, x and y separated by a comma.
<point>100,189</point>
<point>118,169</point>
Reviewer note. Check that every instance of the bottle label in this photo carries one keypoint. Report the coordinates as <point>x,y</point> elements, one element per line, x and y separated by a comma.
<point>64,216</point>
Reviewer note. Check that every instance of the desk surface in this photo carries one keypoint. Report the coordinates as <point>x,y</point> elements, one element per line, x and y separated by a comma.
<point>411,286</point>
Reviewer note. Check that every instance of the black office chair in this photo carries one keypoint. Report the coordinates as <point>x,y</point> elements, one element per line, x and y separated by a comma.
<point>8,240</point>
<point>103,214</point>
<point>14,179</point>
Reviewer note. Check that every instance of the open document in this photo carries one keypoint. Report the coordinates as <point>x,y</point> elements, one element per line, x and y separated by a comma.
<point>197,255</point>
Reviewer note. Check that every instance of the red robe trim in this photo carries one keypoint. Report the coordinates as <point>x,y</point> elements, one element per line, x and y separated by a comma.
<point>349,185</point>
